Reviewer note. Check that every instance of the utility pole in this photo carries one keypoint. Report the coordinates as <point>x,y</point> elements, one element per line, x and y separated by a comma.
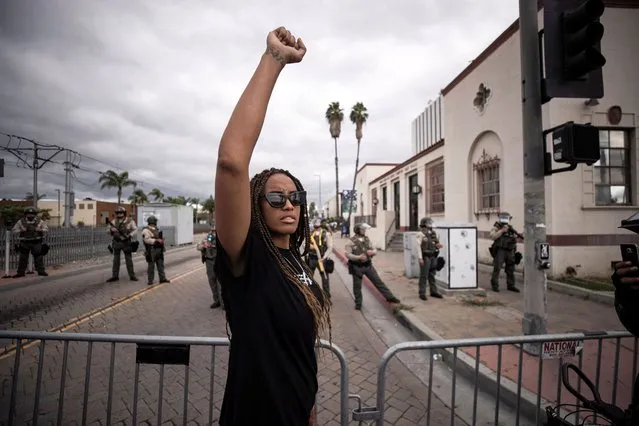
<point>35,177</point>
<point>59,211</point>
<point>23,148</point>
<point>69,202</point>
<point>535,286</point>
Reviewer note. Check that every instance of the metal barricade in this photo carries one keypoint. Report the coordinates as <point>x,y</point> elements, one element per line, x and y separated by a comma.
<point>69,245</point>
<point>502,383</point>
<point>108,378</point>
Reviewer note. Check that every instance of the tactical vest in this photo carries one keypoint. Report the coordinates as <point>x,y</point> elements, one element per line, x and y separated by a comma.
<point>30,233</point>
<point>429,244</point>
<point>154,231</point>
<point>211,252</point>
<point>155,234</point>
<point>360,245</point>
<point>506,241</point>
<point>122,226</point>
<point>319,238</point>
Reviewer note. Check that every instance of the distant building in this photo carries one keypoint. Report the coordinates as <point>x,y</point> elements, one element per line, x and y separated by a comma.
<point>467,162</point>
<point>86,212</point>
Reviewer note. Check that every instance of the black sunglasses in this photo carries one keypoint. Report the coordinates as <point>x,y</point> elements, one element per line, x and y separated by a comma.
<point>277,200</point>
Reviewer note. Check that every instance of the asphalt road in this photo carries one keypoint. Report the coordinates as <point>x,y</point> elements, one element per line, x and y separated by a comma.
<point>50,303</point>
<point>102,387</point>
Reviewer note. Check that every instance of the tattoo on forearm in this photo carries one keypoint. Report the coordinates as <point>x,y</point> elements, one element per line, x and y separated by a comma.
<point>276,55</point>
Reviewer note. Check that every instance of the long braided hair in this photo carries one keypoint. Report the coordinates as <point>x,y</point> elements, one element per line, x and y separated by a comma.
<point>321,311</point>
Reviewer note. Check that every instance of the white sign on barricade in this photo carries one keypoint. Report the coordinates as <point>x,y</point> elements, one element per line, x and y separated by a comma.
<point>570,348</point>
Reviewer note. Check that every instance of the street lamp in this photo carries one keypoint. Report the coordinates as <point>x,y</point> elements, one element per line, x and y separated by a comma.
<point>319,176</point>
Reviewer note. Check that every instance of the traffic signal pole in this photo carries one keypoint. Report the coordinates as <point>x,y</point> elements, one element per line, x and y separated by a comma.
<point>535,286</point>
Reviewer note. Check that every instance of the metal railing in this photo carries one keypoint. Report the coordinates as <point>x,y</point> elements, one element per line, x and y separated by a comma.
<point>390,231</point>
<point>82,378</point>
<point>500,368</point>
<point>69,245</point>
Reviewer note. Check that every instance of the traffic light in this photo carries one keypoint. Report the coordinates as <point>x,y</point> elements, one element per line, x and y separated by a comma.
<point>576,143</point>
<point>572,47</point>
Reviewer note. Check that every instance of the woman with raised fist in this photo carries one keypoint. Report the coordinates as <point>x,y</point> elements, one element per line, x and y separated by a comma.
<point>274,309</point>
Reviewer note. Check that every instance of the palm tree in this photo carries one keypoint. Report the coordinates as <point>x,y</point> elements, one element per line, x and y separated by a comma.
<point>180,199</point>
<point>209,206</point>
<point>359,116</point>
<point>29,196</point>
<point>335,116</point>
<point>157,195</point>
<point>194,202</point>
<point>138,197</point>
<point>111,179</point>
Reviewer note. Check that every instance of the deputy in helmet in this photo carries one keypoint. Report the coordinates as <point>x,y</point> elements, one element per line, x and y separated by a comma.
<point>208,249</point>
<point>122,230</point>
<point>30,231</point>
<point>428,249</point>
<point>320,252</point>
<point>154,250</point>
<point>503,250</point>
<point>360,253</point>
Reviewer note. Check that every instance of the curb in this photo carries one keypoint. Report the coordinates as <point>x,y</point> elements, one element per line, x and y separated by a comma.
<point>465,365</point>
<point>605,298</point>
<point>137,259</point>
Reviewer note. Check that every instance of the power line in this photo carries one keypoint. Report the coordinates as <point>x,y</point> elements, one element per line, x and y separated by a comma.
<point>15,146</point>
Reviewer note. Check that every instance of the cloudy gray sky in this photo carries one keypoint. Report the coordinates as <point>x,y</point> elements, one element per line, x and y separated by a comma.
<point>148,85</point>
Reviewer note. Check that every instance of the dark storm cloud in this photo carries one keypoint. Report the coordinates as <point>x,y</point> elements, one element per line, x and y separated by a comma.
<point>147,86</point>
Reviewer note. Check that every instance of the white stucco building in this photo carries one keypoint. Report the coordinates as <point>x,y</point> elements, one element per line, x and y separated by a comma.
<point>468,154</point>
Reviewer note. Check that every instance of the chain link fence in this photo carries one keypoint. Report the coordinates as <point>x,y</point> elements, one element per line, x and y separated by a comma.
<point>70,244</point>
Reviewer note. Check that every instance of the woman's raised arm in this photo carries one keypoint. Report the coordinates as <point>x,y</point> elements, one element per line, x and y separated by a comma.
<point>232,192</point>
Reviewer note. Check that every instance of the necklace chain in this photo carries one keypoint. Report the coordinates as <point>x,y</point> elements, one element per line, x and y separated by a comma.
<point>303,276</point>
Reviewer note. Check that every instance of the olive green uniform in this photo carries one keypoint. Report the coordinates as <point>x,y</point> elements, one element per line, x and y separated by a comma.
<point>208,248</point>
<point>122,244</point>
<point>154,253</point>
<point>504,249</point>
<point>30,234</point>
<point>428,251</point>
<point>360,245</point>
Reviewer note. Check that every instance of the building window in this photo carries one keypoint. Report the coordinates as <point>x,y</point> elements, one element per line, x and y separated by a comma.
<point>436,188</point>
<point>613,171</point>
<point>81,206</point>
<point>487,178</point>
<point>89,206</point>
<point>384,198</point>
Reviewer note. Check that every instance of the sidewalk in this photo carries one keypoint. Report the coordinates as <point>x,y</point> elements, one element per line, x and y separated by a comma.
<point>462,316</point>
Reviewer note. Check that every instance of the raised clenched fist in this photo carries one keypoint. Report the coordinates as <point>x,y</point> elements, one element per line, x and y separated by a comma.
<point>284,47</point>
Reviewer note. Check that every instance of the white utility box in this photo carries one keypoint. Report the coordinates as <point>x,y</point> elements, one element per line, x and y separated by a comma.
<point>411,261</point>
<point>460,253</point>
<point>177,217</point>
